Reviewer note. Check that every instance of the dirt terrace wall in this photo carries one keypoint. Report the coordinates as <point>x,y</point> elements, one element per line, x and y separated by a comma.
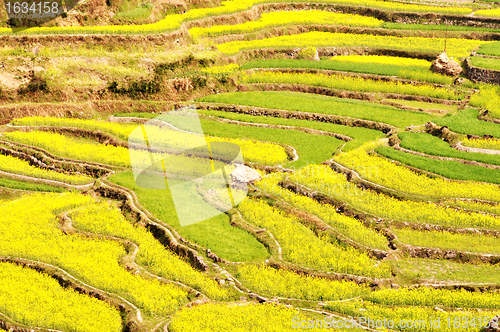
<point>481,74</point>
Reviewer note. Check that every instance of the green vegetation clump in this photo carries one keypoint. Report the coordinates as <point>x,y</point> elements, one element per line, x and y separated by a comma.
<point>490,49</point>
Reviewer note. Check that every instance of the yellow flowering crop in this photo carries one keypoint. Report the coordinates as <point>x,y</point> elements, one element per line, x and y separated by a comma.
<point>301,246</point>
<point>489,99</point>
<point>327,181</point>
<point>18,166</point>
<point>36,299</point>
<point>349,227</point>
<point>221,70</point>
<point>455,47</point>
<point>283,18</point>
<point>253,151</point>
<point>246,317</point>
<point>488,12</point>
<point>103,219</point>
<point>426,296</point>
<point>266,280</point>
<point>30,230</point>
<point>351,83</point>
<point>416,318</point>
<point>120,130</point>
<point>386,173</point>
<point>491,144</point>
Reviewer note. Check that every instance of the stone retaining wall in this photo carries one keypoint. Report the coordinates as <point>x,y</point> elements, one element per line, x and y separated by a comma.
<point>481,74</point>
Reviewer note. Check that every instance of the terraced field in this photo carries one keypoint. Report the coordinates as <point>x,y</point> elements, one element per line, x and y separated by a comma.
<point>250,166</point>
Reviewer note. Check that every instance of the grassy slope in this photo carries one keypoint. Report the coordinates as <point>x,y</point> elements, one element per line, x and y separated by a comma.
<point>304,102</point>
<point>476,243</point>
<point>490,49</point>
<point>432,145</point>
<point>216,233</point>
<point>465,121</point>
<point>310,148</point>
<point>360,135</point>
<point>357,67</point>
<point>447,168</point>
<point>487,63</point>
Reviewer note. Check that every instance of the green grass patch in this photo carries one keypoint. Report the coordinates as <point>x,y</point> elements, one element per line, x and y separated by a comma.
<point>488,63</point>
<point>25,185</point>
<point>466,121</point>
<point>434,270</point>
<point>432,145</point>
<point>456,47</point>
<point>305,102</point>
<point>424,105</point>
<point>138,13</point>
<point>490,49</point>
<point>476,243</point>
<point>216,233</point>
<point>408,72</point>
<point>310,148</point>
<point>359,135</point>
<point>447,168</point>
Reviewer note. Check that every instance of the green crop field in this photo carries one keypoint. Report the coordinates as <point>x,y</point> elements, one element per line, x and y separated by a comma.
<point>249,166</point>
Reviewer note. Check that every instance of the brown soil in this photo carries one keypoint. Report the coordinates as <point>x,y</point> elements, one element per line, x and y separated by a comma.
<point>9,80</point>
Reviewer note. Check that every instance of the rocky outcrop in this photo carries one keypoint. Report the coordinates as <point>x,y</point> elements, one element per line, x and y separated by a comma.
<point>244,175</point>
<point>441,131</point>
<point>445,65</point>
